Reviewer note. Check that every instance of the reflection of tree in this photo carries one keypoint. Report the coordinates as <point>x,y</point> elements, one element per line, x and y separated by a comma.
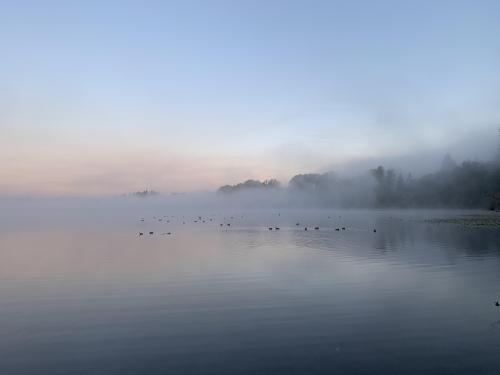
<point>407,239</point>
<point>423,238</point>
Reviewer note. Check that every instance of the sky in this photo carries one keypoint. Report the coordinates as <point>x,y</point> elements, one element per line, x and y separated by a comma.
<point>109,97</point>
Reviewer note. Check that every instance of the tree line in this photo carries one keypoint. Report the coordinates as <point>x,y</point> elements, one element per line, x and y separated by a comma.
<point>471,184</point>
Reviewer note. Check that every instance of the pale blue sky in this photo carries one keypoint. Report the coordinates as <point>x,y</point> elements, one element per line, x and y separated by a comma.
<point>111,96</point>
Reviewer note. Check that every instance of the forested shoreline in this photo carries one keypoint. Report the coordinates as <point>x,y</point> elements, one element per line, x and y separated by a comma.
<point>471,184</point>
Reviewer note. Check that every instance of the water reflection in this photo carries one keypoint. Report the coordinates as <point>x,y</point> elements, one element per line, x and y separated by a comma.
<point>412,297</point>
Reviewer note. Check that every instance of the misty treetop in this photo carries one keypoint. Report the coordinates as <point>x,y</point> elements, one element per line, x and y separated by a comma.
<point>145,193</point>
<point>251,185</point>
<point>472,184</point>
<point>469,185</point>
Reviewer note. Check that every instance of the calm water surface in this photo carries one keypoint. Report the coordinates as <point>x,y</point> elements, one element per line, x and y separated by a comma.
<point>95,298</point>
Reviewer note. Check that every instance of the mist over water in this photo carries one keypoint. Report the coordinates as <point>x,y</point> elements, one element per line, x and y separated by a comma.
<point>82,292</point>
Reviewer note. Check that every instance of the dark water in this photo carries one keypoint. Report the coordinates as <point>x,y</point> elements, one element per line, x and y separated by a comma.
<point>412,298</point>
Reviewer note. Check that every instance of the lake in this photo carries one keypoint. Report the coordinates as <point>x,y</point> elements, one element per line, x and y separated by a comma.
<point>91,296</point>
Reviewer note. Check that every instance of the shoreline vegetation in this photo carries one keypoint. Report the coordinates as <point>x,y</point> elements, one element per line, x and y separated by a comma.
<point>469,220</point>
<point>144,193</point>
<point>470,185</point>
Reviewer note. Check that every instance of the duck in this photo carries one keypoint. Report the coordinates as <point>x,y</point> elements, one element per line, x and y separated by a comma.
<point>151,232</point>
<point>140,233</point>
<point>497,304</point>
<point>270,228</point>
<point>316,228</point>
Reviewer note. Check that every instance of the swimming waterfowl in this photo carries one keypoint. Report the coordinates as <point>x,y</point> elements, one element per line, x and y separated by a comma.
<point>316,228</point>
<point>277,228</point>
<point>151,232</point>
<point>497,304</point>
<point>374,231</point>
<point>270,228</point>
<point>305,228</point>
<point>140,233</point>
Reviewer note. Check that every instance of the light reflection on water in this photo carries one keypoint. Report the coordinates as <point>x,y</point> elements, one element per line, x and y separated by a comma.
<point>411,298</point>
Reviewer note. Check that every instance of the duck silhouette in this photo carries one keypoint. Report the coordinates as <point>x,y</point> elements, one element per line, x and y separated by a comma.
<point>497,304</point>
